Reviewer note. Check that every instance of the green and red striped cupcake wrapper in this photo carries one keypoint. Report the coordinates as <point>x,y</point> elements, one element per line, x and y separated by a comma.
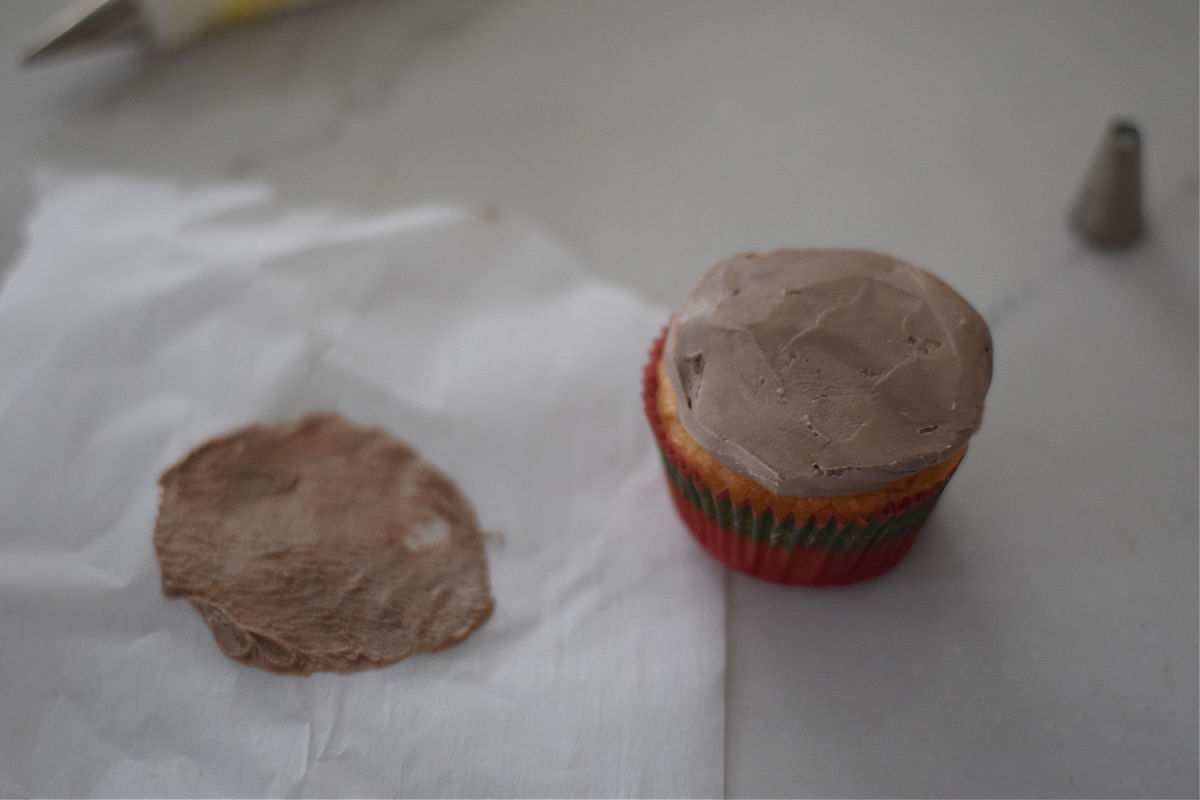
<point>798,552</point>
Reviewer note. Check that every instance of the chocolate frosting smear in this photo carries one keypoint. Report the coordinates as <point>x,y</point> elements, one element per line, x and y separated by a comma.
<point>827,372</point>
<point>320,545</point>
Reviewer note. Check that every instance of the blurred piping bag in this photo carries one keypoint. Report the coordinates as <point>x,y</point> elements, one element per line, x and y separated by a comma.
<point>88,24</point>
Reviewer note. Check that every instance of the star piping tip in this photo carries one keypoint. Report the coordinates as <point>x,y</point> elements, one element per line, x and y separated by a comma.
<point>1107,211</point>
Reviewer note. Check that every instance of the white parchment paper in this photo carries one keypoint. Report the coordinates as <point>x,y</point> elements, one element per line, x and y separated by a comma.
<point>144,317</point>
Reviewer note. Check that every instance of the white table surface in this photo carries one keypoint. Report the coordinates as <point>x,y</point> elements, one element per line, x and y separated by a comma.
<point>1041,639</point>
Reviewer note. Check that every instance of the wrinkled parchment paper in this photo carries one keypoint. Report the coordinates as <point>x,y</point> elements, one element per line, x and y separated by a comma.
<point>144,317</point>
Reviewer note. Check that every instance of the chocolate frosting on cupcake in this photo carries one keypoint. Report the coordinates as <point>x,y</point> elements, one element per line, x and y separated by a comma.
<point>827,372</point>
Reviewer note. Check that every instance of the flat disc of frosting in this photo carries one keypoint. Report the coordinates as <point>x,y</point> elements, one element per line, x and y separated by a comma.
<point>827,372</point>
<point>319,545</point>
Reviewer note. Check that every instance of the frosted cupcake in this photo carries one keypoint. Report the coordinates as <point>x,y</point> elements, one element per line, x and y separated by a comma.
<point>811,405</point>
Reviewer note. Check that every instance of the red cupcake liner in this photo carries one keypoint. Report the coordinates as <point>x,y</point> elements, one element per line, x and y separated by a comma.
<point>796,552</point>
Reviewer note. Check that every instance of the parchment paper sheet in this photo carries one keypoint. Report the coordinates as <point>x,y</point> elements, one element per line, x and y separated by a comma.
<point>144,317</point>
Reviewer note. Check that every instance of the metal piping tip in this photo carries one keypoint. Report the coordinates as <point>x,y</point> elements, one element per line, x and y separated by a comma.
<point>85,24</point>
<point>1107,212</point>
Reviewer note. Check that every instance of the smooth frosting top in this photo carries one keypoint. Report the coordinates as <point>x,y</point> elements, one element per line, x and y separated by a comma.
<point>827,372</point>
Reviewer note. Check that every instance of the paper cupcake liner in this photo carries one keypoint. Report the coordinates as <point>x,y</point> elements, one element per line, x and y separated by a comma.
<point>798,552</point>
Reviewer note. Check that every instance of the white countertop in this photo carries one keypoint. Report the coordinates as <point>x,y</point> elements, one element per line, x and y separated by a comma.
<point>1041,639</point>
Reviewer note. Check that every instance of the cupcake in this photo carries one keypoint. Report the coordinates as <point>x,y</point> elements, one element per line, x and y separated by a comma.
<point>811,405</point>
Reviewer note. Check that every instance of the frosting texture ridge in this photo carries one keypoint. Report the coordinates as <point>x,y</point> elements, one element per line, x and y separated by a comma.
<point>827,372</point>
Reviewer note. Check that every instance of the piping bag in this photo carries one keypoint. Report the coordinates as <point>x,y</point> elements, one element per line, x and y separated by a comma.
<point>86,24</point>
